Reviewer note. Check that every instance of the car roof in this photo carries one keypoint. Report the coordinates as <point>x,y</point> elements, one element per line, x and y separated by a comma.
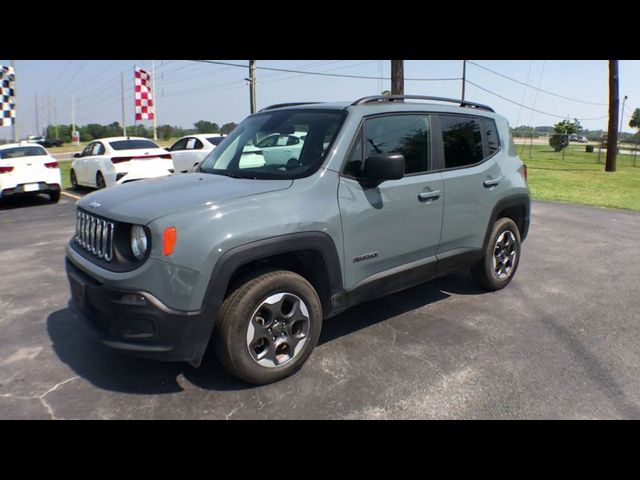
<point>202,136</point>
<point>115,139</point>
<point>21,144</point>
<point>388,106</point>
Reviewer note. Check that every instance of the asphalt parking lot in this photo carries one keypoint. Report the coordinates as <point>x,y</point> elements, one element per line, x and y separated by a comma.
<point>562,341</point>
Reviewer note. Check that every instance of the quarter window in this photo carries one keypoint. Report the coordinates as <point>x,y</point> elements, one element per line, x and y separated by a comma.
<point>405,134</point>
<point>491,131</point>
<point>179,145</point>
<point>462,140</point>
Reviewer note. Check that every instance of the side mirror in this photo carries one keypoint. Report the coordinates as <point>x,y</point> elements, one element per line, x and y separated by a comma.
<point>381,167</point>
<point>76,155</point>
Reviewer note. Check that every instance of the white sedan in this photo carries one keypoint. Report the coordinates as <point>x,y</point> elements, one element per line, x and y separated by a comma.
<point>188,152</point>
<point>28,168</point>
<point>111,161</point>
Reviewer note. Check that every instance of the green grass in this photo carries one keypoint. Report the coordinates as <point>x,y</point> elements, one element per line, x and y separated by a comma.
<point>579,178</point>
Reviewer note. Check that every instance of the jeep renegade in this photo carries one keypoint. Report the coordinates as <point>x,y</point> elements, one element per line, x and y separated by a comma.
<point>301,212</point>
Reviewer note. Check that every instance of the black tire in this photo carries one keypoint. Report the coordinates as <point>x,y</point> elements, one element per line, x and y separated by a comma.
<point>54,196</point>
<point>483,272</point>
<point>74,179</point>
<point>100,181</point>
<point>230,336</point>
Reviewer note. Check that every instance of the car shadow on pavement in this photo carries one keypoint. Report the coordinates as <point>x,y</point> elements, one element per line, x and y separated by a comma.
<point>25,201</point>
<point>74,344</point>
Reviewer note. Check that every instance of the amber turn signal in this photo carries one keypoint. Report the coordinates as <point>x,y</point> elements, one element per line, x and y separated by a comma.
<point>169,240</point>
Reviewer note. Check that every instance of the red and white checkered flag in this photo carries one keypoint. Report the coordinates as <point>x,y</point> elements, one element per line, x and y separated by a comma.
<point>143,95</point>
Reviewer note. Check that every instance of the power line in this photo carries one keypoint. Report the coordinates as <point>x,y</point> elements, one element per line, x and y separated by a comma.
<point>64,69</point>
<point>366,77</point>
<point>66,85</point>
<point>531,86</point>
<point>529,108</point>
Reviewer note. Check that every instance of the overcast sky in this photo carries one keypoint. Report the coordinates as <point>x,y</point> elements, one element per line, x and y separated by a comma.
<point>189,91</point>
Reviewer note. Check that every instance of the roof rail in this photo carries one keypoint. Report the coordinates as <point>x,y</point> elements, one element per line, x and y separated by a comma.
<point>280,105</point>
<point>391,98</point>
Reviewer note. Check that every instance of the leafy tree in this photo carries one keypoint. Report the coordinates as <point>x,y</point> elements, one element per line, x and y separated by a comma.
<point>635,119</point>
<point>204,126</point>
<point>227,128</point>
<point>560,139</point>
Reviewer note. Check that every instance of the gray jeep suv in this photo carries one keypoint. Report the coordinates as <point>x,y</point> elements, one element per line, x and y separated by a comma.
<point>260,245</point>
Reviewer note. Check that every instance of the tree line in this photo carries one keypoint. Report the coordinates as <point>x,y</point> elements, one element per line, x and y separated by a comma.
<point>94,131</point>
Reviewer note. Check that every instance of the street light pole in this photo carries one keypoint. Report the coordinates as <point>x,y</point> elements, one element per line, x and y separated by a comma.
<point>252,86</point>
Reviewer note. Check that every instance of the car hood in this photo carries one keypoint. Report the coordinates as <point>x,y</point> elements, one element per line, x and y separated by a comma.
<point>146,200</point>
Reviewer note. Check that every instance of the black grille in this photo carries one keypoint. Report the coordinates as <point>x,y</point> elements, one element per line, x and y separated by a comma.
<point>95,235</point>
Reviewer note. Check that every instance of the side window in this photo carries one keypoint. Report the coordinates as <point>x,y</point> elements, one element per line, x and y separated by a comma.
<point>191,143</point>
<point>462,140</point>
<point>197,145</point>
<point>405,134</point>
<point>179,145</point>
<point>491,132</point>
<point>293,140</point>
<point>98,149</point>
<point>267,142</point>
<point>87,150</point>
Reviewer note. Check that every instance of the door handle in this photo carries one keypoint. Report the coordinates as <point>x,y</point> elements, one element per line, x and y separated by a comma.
<point>429,195</point>
<point>492,182</point>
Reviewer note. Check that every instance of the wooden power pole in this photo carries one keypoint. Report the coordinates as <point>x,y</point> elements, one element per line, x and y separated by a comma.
<point>252,86</point>
<point>612,134</point>
<point>397,77</point>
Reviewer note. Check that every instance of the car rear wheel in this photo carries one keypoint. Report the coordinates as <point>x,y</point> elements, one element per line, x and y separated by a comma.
<point>100,181</point>
<point>502,255</point>
<point>54,196</point>
<point>268,327</point>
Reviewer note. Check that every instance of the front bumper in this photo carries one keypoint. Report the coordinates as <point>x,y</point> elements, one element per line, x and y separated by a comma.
<point>136,322</point>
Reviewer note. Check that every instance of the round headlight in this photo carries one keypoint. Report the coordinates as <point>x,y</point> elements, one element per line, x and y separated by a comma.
<point>138,242</point>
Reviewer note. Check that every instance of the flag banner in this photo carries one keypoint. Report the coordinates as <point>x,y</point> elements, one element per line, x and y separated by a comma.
<point>7,96</point>
<point>143,95</point>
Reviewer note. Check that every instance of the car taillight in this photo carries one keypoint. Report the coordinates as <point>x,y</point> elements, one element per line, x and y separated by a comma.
<point>6,169</point>
<point>51,164</point>
<point>526,172</point>
<point>115,160</point>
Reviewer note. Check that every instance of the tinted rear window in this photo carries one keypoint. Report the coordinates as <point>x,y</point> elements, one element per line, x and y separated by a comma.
<point>22,152</point>
<point>215,140</point>
<point>462,140</point>
<point>132,144</point>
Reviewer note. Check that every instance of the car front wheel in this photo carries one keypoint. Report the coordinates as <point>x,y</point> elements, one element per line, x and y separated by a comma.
<point>268,327</point>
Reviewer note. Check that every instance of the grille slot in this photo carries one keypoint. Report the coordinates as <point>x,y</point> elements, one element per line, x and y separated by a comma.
<point>95,235</point>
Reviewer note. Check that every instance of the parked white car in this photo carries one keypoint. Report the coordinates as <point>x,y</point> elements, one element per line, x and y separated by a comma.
<point>27,168</point>
<point>111,161</point>
<point>274,149</point>
<point>188,152</point>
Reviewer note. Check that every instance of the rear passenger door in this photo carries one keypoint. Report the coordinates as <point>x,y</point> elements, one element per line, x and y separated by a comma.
<point>394,227</point>
<point>471,175</point>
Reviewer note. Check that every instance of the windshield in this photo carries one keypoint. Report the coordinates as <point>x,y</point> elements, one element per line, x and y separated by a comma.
<point>271,145</point>
<point>132,144</point>
<point>22,152</point>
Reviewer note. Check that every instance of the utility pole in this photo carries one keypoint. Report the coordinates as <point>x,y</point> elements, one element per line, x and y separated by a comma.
<point>48,115</point>
<point>73,119</point>
<point>397,77</point>
<point>55,119</point>
<point>252,86</point>
<point>464,76</point>
<point>37,122</point>
<point>612,135</point>
<point>155,100</point>
<point>124,128</point>
<point>624,100</point>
